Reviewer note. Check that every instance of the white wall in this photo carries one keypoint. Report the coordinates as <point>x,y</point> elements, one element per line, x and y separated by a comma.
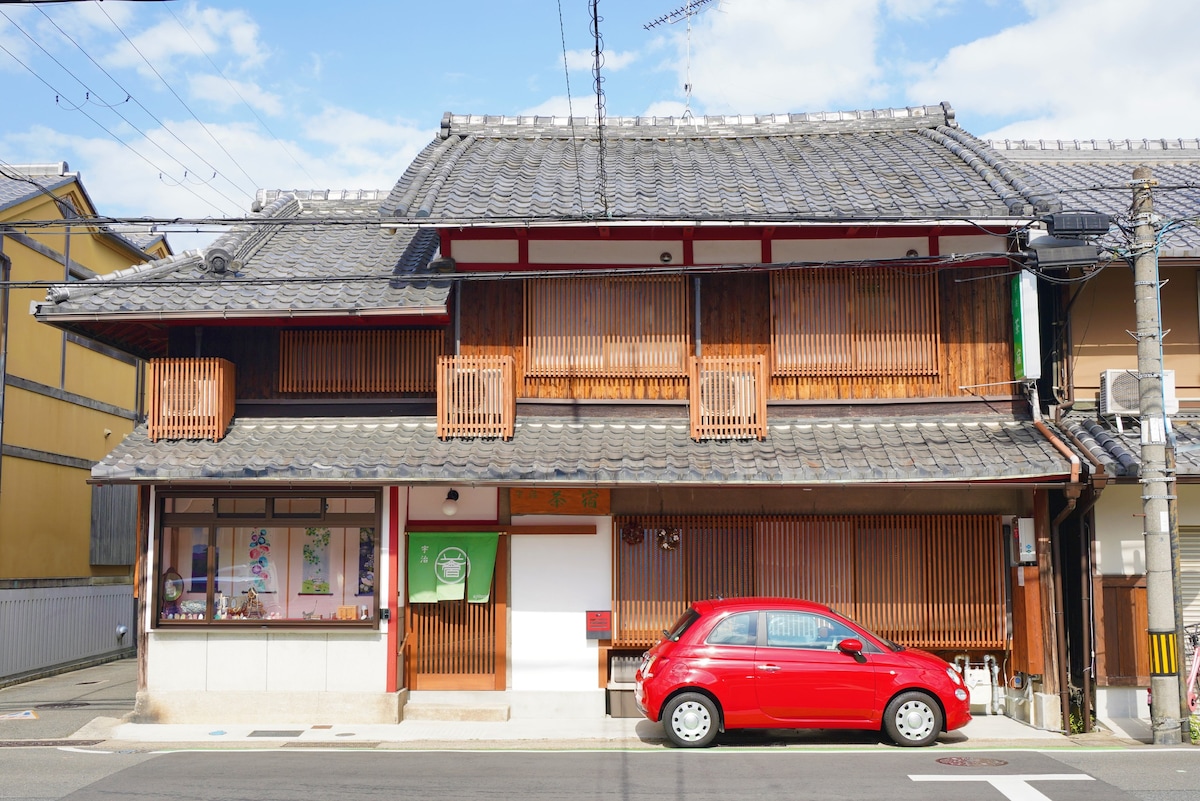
<point>555,581</point>
<point>1120,548</point>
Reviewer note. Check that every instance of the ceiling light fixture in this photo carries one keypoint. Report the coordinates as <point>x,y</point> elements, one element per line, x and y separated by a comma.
<point>450,505</point>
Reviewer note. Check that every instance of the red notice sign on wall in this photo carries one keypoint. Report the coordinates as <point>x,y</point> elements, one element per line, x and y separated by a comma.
<point>599,625</point>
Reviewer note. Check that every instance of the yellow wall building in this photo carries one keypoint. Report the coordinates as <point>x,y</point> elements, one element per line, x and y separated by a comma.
<point>67,551</point>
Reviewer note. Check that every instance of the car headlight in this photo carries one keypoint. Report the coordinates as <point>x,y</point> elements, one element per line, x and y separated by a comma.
<point>954,677</point>
<point>960,694</point>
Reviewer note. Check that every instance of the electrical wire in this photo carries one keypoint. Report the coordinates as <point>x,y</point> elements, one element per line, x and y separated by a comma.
<point>102,127</point>
<point>232,86</point>
<point>562,31</point>
<point>130,96</point>
<point>182,102</point>
<point>962,260</point>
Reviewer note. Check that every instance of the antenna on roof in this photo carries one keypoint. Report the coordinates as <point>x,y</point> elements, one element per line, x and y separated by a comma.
<point>684,12</point>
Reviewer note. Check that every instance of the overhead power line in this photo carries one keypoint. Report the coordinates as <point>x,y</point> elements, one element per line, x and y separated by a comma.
<point>130,96</point>
<point>102,127</point>
<point>233,87</point>
<point>182,102</point>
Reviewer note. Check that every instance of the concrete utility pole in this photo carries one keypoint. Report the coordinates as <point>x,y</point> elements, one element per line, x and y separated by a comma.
<point>1157,524</point>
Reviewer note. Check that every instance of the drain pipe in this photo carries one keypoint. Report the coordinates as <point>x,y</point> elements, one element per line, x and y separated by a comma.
<point>5,274</point>
<point>1099,481</point>
<point>1072,491</point>
<point>993,667</point>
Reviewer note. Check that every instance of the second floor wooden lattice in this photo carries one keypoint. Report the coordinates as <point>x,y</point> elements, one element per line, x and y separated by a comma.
<point>607,326</point>
<point>855,322</point>
<point>398,361</point>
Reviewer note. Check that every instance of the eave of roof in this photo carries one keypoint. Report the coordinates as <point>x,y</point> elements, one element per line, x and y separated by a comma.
<point>921,452</point>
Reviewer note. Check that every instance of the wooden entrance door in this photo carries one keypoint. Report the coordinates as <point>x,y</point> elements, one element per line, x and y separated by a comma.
<point>455,645</point>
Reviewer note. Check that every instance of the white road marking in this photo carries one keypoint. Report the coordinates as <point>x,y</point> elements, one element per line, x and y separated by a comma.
<point>1014,786</point>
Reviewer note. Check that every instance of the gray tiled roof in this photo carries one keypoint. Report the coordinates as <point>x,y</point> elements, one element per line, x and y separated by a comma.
<point>861,165</point>
<point>1094,176</point>
<point>325,255</point>
<point>14,190</point>
<point>600,451</point>
<point>1119,452</point>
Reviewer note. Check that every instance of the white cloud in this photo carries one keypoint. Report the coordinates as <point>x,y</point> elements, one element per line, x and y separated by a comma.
<point>784,55</point>
<point>614,61</point>
<point>206,32</point>
<point>226,94</point>
<point>919,9</point>
<point>1080,68</point>
<point>371,153</point>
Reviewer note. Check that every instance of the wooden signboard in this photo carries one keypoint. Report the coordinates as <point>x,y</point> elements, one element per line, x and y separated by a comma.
<point>557,501</point>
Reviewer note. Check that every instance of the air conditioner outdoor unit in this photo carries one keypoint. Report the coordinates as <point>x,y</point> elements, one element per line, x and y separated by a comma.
<point>726,395</point>
<point>473,390</point>
<point>1120,396</point>
<point>189,397</point>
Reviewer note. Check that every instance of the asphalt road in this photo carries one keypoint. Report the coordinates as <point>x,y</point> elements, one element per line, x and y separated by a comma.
<point>33,774</point>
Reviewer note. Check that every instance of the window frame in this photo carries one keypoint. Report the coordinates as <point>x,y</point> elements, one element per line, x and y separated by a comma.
<point>215,522</point>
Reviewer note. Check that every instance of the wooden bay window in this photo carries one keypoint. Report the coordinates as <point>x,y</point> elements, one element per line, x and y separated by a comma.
<point>609,326</point>
<point>855,322</point>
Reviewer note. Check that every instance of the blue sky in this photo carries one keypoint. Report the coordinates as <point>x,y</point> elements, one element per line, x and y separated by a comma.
<point>185,108</point>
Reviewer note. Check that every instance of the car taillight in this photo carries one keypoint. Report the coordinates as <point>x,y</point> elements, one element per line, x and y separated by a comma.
<point>647,664</point>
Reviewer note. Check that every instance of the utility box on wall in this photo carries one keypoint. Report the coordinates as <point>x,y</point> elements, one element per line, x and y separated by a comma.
<point>1025,549</point>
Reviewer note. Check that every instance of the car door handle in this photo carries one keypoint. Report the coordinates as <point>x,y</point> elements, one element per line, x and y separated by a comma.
<point>769,668</point>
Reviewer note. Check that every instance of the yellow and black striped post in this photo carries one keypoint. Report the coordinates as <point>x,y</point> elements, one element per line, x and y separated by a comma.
<point>1164,653</point>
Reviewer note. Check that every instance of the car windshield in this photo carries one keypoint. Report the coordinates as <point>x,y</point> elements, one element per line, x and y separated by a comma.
<point>683,624</point>
<point>894,646</point>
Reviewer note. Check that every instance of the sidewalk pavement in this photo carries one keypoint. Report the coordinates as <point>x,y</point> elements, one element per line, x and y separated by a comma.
<point>90,708</point>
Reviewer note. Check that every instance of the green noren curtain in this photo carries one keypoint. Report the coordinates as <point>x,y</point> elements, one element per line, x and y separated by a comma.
<point>451,565</point>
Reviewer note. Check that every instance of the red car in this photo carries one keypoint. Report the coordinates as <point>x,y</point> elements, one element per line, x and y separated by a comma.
<point>779,663</point>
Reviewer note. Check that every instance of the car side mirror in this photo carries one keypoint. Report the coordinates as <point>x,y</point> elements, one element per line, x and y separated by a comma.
<point>852,646</point>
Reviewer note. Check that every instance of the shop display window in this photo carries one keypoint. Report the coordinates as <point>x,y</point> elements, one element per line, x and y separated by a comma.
<point>291,560</point>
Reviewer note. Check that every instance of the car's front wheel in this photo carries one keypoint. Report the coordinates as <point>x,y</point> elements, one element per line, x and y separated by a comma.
<point>913,719</point>
<point>691,720</point>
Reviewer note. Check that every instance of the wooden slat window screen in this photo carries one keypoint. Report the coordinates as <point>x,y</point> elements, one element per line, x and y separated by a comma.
<point>610,326</point>
<point>395,361</point>
<point>922,580</point>
<point>728,397</point>
<point>855,322</point>
<point>455,639</point>
<point>189,398</point>
<point>476,396</point>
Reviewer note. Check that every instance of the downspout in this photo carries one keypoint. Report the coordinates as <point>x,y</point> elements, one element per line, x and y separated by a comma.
<point>1086,535</point>
<point>5,275</point>
<point>1071,490</point>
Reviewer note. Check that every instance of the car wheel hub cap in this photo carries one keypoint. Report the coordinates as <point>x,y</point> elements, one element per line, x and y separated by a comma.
<point>915,720</point>
<point>691,721</point>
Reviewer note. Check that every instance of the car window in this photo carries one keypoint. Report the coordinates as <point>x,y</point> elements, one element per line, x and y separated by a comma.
<point>739,629</point>
<point>805,630</point>
<point>683,624</point>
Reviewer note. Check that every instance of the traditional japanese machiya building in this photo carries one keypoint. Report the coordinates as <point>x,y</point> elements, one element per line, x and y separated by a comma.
<point>488,440</point>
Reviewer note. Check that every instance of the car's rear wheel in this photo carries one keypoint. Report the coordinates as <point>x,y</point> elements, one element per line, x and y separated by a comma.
<point>913,719</point>
<point>691,720</point>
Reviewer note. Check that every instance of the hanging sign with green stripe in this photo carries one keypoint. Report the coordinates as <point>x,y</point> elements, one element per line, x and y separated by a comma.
<point>450,566</point>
